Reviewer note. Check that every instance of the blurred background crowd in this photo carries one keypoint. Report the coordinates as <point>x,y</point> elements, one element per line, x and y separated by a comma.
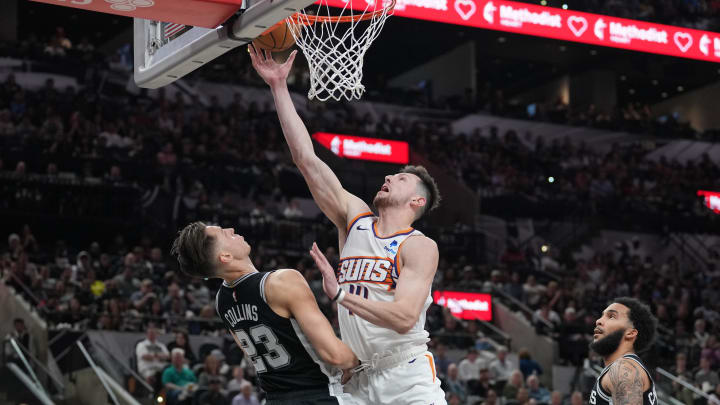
<point>116,171</point>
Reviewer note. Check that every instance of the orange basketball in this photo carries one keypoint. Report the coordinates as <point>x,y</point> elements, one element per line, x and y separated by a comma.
<point>279,39</point>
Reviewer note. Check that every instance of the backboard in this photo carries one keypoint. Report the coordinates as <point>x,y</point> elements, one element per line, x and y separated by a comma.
<point>165,52</point>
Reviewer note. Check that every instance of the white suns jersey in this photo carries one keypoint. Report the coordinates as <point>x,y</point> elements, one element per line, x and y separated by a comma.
<point>368,268</point>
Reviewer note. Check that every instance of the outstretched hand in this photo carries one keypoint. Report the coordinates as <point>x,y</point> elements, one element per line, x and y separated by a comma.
<point>272,72</point>
<point>330,284</point>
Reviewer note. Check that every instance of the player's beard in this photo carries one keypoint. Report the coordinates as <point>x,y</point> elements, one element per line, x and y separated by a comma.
<point>609,344</point>
<point>384,201</point>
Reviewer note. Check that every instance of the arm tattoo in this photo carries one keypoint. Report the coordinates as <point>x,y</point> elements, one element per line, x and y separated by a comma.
<point>626,383</point>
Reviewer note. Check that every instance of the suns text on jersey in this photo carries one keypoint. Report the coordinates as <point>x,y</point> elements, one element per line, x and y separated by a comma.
<point>365,269</point>
<point>244,312</point>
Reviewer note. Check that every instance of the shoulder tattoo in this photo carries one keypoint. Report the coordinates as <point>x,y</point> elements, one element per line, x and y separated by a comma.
<point>626,383</point>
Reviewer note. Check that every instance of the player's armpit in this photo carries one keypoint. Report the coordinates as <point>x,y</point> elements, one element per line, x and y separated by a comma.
<point>287,289</point>
<point>417,263</point>
<point>625,382</point>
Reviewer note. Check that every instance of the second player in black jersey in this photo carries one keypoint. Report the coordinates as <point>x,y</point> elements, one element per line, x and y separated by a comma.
<point>272,316</point>
<point>627,326</point>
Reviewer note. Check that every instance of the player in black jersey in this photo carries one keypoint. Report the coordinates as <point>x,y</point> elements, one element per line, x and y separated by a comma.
<point>627,326</point>
<point>273,317</point>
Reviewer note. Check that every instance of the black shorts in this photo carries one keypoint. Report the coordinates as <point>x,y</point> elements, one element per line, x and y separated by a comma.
<point>318,396</point>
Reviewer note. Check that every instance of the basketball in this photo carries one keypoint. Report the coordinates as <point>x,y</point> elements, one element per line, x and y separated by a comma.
<point>279,39</point>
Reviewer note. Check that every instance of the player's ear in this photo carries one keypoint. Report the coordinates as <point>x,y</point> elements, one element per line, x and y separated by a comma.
<point>418,201</point>
<point>631,333</point>
<point>225,257</point>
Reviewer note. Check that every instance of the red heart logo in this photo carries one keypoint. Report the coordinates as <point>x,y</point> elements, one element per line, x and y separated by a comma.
<point>683,40</point>
<point>465,8</point>
<point>577,25</point>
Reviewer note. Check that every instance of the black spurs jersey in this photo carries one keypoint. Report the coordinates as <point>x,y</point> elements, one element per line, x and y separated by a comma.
<point>598,396</point>
<point>280,352</point>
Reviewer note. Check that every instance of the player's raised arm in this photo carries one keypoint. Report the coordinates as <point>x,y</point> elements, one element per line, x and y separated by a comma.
<point>288,290</point>
<point>418,261</point>
<point>337,204</point>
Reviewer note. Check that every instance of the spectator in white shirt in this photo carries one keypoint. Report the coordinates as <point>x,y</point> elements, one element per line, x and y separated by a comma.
<point>469,370</point>
<point>700,336</point>
<point>547,314</point>
<point>246,396</point>
<point>501,368</point>
<point>238,380</point>
<point>292,210</point>
<point>533,291</point>
<point>152,356</point>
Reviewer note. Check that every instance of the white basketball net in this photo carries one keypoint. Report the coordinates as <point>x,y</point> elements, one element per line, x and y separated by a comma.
<point>335,50</point>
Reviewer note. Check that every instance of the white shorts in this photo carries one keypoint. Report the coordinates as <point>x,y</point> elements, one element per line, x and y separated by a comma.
<point>413,382</point>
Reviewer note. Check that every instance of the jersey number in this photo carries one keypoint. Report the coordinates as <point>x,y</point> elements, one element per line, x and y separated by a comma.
<point>360,290</point>
<point>276,356</point>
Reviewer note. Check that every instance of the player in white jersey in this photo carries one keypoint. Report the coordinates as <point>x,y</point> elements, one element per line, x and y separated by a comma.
<point>387,267</point>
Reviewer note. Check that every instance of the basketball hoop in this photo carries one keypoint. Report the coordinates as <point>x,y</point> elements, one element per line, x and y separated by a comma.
<point>335,52</point>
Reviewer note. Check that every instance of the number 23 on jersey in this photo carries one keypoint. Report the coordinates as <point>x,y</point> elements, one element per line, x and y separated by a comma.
<point>276,356</point>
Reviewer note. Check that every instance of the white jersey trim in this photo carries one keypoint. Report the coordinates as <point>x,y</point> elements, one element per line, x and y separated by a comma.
<point>217,298</point>
<point>636,358</point>
<point>262,286</point>
<point>238,280</point>
<point>333,381</point>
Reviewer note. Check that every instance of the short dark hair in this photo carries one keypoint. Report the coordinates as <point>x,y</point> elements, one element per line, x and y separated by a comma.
<point>428,186</point>
<point>642,319</point>
<point>194,251</point>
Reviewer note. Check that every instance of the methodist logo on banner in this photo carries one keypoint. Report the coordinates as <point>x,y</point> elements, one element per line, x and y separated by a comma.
<point>568,25</point>
<point>356,147</point>
<point>465,305</point>
<point>712,200</point>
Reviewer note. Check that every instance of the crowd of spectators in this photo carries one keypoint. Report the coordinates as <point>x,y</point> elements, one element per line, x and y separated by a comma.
<point>520,164</point>
<point>496,380</point>
<point>67,136</point>
<point>185,380</point>
<point>633,117</point>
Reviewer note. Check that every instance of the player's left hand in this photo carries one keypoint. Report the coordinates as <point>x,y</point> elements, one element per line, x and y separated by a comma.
<point>271,72</point>
<point>330,284</point>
